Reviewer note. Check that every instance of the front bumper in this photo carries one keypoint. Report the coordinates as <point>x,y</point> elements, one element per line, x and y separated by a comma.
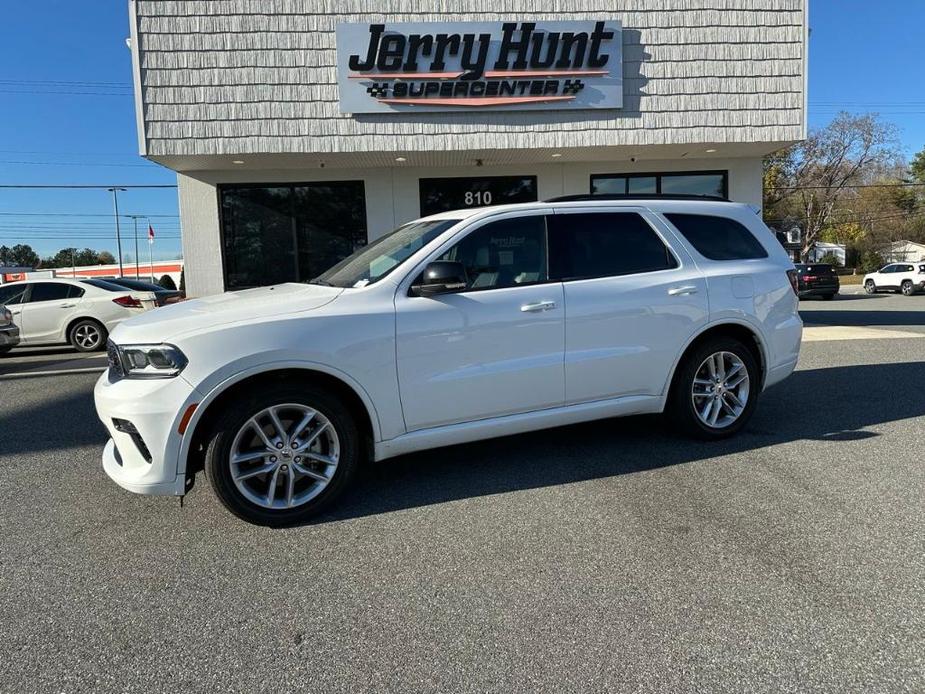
<point>154,408</point>
<point>9,336</point>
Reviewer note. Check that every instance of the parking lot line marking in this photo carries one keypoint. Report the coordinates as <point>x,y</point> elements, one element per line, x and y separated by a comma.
<point>52,372</point>
<point>821,333</point>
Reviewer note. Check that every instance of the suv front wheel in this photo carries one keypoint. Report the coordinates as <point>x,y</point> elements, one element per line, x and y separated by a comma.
<point>280,456</point>
<point>715,389</point>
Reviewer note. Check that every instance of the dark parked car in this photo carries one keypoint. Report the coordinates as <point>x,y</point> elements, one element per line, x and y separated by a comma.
<point>162,296</point>
<point>9,331</point>
<point>816,279</point>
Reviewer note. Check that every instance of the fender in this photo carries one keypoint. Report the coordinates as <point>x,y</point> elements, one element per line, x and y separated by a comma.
<point>743,322</point>
<point>215,391</point>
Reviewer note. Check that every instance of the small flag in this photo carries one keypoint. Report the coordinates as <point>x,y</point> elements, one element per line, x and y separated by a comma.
<point>150,234</point>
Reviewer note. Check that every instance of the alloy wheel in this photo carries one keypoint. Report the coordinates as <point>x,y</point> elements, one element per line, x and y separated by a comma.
<point>720,389</point>
<point>284,456</point>
<point>87,336</point>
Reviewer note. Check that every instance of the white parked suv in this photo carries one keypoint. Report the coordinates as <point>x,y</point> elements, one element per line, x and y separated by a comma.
<point>907,278</point>
<point>81,312</point>
<point>460,326</point>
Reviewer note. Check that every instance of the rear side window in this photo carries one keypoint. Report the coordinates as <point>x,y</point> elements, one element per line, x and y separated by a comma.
<point>48,291</point>
<point>74,292</point>
<point>604,244</point>
<point>718,238</point>
<point>12,295</point>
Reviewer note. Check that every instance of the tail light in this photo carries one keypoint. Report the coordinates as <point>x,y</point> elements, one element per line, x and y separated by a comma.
<point>127,301</point>
<point>809,278</point>
<point>792,276</point>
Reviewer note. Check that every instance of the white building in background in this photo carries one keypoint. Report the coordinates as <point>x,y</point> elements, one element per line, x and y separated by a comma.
<point>821,249</point>
<point>300,130</point>
<point>903,250</point>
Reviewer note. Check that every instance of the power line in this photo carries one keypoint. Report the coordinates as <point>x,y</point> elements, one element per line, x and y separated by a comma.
<point>81,187</point>
<point>77,214</point>
<point>74,163</point>
<point>857,185</point>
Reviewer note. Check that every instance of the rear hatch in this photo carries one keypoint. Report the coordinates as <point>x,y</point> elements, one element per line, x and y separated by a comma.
<point>817,276</point>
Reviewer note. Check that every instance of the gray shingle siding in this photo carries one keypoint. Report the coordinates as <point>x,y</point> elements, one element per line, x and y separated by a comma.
<point>248,76</point>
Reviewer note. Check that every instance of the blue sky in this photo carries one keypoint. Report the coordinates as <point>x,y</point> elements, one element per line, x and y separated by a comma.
<point>66,107</point>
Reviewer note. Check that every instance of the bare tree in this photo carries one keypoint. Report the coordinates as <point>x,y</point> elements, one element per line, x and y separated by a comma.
<point>808,180</point>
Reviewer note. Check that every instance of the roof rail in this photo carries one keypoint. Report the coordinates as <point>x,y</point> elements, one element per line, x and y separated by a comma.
<point>623,196</point>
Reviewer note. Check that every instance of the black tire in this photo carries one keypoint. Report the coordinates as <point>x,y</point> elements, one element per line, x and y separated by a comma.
<point>906,288</point>
<point>680,407</point>
<point>5,350</point>
<point>235,416</point>
<point>870,287</point>
<point>828,297</point>
<point>84,328</point>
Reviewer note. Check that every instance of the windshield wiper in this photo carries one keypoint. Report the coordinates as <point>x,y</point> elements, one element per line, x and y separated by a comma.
<point>323,283</point>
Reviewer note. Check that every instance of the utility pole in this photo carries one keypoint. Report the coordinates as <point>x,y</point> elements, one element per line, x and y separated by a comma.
<point>135,218</point>
<point>115,204</point>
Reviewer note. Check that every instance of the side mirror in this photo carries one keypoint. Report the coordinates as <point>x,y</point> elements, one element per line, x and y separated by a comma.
<point>442,277</point>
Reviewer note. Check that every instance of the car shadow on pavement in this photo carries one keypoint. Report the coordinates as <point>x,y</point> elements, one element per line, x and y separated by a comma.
<point>56,423</point>
<point>863,318</point>
<point>845,402</point>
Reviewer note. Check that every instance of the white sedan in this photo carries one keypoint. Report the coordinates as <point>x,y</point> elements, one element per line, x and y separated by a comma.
<point>907,278</point>
<point>82,313</point>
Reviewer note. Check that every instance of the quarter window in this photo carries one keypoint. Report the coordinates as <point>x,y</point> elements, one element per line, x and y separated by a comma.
<point>718,238</point>
<point>48,291</point>
<point>506,253</point>
<point>604,244</point>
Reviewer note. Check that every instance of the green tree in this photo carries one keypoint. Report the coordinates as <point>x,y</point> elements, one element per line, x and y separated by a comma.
<point>917,167</point>
<point>870,261</point>
<point>20,255</point>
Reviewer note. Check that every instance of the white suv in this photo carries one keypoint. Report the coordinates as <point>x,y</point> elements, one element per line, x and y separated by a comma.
<point>907,278</point>
<point>461,326</point>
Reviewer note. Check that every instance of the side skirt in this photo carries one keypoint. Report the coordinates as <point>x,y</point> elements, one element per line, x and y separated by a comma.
<point>494,427</point>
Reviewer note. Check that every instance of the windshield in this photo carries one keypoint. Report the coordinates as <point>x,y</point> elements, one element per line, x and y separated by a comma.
<point>373,262</point>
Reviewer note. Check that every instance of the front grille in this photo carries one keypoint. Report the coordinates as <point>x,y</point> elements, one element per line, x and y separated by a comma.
<point>115,363</point>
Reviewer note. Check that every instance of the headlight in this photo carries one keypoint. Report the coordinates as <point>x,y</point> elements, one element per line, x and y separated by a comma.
<point>146,361</point>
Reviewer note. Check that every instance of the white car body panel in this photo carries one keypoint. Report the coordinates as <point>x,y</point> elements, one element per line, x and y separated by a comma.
<point>47,322</point>
<point>457,367</point>
<point>885,278</point>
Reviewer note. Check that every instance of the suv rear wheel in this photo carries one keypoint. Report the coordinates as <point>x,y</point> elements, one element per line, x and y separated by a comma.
<point>907,288</point>
<point>281,455</point>
<point>715,389</point>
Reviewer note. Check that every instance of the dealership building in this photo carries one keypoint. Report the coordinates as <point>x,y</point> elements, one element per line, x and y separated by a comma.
<point>302,129</point>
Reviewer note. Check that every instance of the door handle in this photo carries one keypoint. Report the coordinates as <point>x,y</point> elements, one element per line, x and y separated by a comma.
<point>538,306</point>
<point>682,291</point>
<point>67,305</point>
<point>15,311</point>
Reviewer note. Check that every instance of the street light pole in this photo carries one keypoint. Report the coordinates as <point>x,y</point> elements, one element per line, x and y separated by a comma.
<point>135,218</point>
<point>115,204</point>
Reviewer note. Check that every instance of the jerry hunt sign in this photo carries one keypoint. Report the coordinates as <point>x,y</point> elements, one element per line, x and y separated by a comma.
<point>479,66</point>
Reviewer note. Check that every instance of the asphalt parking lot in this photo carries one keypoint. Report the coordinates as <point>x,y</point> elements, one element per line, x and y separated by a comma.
<point>610,556</point>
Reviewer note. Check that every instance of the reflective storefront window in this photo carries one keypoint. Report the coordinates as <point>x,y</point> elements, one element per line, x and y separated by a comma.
<point>289,232</point>
<point>713,183</point>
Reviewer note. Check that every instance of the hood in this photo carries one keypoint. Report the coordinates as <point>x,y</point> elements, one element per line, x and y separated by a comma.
<point>169,322</point>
